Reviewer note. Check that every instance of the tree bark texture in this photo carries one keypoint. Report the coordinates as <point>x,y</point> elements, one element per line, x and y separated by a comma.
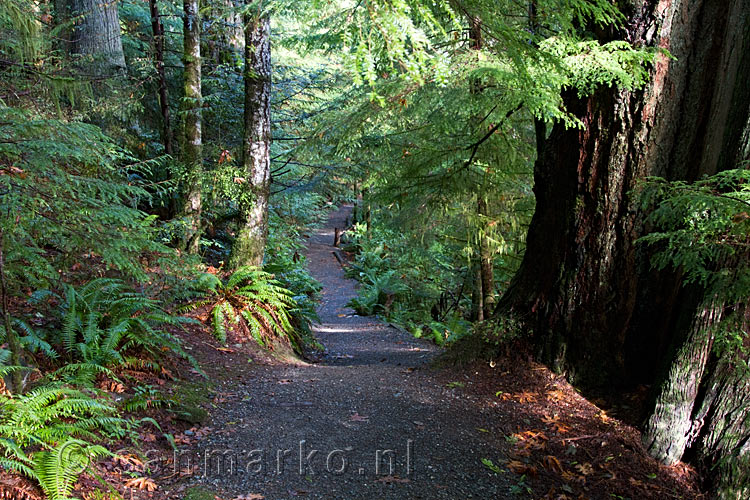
<point>249,246</point>
<point>597,310</point>
<point>583,286</point>
<point>720,432</point>
<point>96,33</point>
<point>157,28</point>
<point>192,145</point>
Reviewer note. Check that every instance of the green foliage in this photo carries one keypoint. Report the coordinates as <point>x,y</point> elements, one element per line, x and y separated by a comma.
<point>253,299</point>
<point>105,322</point>
<point>67,198</point>
<point>45,435</point>
<point>702,229</point>
<point>404,275</point>
<point>57,470</point>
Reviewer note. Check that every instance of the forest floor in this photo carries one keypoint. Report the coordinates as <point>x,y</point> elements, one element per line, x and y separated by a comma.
<point>373,418</point>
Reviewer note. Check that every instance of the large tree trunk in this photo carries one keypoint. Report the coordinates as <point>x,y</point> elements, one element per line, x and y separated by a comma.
<point>585,289</point>
<point>249,246</point>
<point>702,411</point>
<point>96,34</point>
<point>192,145</point>
<point>157,27</point>
<point>581,285</point>
<point>720,438</point>
<point>669,426</point>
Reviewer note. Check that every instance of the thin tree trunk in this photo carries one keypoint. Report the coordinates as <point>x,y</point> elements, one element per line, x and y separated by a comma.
<point>485,259</point>
<point>158,31</point>
<point>96,33</point>
<point>477,299</point>
<point>249,246</point>
<point>192,145</point>
<point>486,281</point>
<point>368,211</point>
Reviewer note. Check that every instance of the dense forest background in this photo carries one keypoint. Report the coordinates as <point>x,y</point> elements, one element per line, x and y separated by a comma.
<point>559,179</point>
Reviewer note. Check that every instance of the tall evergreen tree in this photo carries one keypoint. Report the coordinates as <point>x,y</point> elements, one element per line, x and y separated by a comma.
<point>157,28</point>
<point>95,34</point>
<point>192,143</point>
<point>249,245</point>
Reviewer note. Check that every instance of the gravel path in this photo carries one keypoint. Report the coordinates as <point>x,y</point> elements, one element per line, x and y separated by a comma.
<point>385,425</point>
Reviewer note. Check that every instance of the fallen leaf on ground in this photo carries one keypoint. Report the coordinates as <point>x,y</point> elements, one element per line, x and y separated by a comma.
<point>585,469</point>
<point>532,440</point>
<point>604,417</point>
<point>560,428</point>
<point>552,464</point>
<point>141,483</point>
<point>556,396</point>
<point>129,462</point>
<point>250,496</point>
<point>550,420</point>
<point>526,397</point>
<point>522,468</point>
<point>359,418</point>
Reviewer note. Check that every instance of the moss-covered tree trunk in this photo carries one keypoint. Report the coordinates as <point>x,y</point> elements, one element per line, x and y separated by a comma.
<point>192,142</point>
<point>585,288</point>
<point>249,246</point>
<point>96,35</point>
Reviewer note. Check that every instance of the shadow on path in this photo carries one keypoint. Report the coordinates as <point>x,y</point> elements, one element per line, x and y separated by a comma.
<point>371,421</point>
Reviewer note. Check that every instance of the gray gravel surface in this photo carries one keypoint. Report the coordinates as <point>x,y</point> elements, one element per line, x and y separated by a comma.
<point>384,423</point>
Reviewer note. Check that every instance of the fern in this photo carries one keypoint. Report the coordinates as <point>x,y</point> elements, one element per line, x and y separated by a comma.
<point>104,319</point>
<point>257,298</point>
<point>45,432</point>
<point>57,470</point>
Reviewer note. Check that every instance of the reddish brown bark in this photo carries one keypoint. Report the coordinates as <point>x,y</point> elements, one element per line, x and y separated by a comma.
<point>585,288</point>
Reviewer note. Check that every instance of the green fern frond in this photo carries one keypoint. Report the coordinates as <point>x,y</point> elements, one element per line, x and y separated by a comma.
<point>219,326</point>
<point>57,470</point>
<point>257,297</point>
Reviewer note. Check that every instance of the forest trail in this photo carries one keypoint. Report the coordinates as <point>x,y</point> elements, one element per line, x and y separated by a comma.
<point>374,391</point>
